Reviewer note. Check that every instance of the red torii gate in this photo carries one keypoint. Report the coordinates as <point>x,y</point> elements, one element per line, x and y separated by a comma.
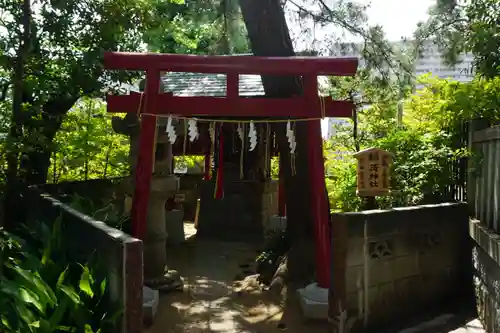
<point>309,105</point>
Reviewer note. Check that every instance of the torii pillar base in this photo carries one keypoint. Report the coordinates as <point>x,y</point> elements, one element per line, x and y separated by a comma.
<point>314,301</point>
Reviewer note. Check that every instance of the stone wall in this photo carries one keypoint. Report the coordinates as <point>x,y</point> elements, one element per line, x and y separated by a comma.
<point>486,260</point>
<point>103,190</point>
<point>483,187</point>
<point>243,213</point>
<point>190,187</point>
<point>397,263</point>
<point>95,189</point>
<point>269,202</point>
<point>237,216</point>
<point>119,256</point>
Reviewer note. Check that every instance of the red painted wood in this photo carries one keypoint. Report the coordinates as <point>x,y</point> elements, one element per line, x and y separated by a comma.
<point>208,106</point>
<point>319,204</point>
<point>232,106</point>
<point>226,64</point>
<point>232,86</point>
<point>144,169</point>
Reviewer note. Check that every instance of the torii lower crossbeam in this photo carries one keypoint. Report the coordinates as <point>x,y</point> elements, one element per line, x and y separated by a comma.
<point>309,105</point>
<point>207,106</point>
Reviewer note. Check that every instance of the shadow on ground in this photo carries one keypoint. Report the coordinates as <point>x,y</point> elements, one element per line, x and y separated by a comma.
<point>222,294</point>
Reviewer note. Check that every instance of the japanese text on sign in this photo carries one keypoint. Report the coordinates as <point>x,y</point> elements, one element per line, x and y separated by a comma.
<point>373,172</point>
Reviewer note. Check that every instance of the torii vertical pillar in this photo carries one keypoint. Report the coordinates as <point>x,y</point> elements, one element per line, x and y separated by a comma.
<point>151,205</point>
<point>314,297</point>
<point>144,170</point>
<point>319,205</point>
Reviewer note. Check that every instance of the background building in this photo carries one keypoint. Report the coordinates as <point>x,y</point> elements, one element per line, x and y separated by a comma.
<point>430,61</point>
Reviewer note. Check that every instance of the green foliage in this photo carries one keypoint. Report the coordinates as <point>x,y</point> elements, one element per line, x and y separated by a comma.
<point>187,162</point>
<point>105,210</point>
<point>424,147</point>
<point>275,167</point>
<point>67,42</point>
<point>86,147</point>
<point>42,291</point>
<point>470,26</point>
<point>341,178</point>
<point>61,45</point>
<point>275,248</point>
<point>446,104</point>
<point>50,56</point>
<point>197,27</point>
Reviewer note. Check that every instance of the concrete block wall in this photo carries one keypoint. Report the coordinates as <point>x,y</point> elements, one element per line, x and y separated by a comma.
<point>269,202</point>
<point>486,261</point>
<point>119,256</point>
<point>101,191</point>
<point>397,263</point>
<point>239,215</point>
<point>190,187</point>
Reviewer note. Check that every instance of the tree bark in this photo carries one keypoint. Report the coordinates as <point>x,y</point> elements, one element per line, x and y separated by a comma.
<point>269,36</point>
<point>16,125</point>
<point>38,159</point>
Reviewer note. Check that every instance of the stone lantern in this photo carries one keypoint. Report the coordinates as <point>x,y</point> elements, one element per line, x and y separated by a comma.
<point>164,185</point>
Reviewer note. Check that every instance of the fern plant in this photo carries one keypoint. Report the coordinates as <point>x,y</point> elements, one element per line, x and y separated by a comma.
<point>43,291</point>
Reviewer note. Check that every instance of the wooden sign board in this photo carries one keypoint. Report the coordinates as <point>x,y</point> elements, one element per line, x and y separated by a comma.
<point>374,172</point>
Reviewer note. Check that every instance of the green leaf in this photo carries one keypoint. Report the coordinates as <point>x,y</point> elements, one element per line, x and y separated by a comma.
<point>56,319</point>
<point>30,297</point>
<point>71,293</point>
<point>103,286</point>
<point>25,314</point>
<point>88,329</point>
<point>34,282</point>
<point>62,277</point>
<point>85,282</point>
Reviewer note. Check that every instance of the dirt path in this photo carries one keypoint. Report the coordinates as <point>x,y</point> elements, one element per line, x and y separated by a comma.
<point>220,297</point>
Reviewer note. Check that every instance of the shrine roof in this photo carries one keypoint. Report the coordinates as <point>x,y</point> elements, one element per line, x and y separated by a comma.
<point>200,84</point>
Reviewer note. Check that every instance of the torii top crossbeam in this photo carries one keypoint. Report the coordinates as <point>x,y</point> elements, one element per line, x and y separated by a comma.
<point>239,64</point>
<point>232,105</point>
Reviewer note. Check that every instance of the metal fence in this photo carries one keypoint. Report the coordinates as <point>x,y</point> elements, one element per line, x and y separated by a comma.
<point>483,181</point>
<point>457,168</point>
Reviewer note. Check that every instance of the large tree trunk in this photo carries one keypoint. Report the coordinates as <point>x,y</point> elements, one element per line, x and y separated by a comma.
<point>269,36</point>
<point>37,162</point>
<point>16,125</point>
